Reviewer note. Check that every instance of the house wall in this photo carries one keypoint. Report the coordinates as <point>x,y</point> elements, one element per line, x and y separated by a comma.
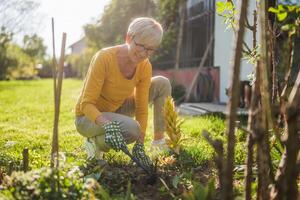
<point>185,76</point>
<point>78,47</point>
<point>223,51</point>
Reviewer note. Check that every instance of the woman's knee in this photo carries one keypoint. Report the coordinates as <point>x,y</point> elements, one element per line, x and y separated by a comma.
<point>133,131</point>
<point>129,127</point>
<point>162,83</point>
<point>87,128</point>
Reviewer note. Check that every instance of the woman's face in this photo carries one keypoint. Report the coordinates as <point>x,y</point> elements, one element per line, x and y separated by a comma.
<point>139,51</point>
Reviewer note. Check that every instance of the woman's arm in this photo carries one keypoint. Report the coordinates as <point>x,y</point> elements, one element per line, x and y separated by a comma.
<point>141,99</point>
<point>92,87</point>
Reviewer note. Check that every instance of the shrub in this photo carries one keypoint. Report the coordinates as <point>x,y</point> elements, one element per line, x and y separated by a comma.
<point>42,184</point>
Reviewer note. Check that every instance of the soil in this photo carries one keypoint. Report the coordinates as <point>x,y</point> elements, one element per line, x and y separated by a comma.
<point>117,179</point>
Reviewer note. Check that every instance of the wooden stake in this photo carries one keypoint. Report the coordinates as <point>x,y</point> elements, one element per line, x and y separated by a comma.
<point>54,61</point>
<point>25,159</point>
<point>10,167</point>
<point>57,94</point>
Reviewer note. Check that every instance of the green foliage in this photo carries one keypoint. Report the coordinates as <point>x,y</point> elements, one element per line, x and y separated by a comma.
<point>200,192</point>
<point>47,183</point>
<point>17,62</point>
<point>5,40</point>
<point>34,47</point>
<point>42,184</point>
<point>289,17</point>
<point>22,66</point>
<point>168,16</point>
<point>228,11</point>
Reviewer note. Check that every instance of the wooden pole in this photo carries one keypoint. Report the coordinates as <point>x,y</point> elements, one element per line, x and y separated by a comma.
<point>25,159</point>
<point>10,167</point>
<point>54,61</point>
<point>57,94</point>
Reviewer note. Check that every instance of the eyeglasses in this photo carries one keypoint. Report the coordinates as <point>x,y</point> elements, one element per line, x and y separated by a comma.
<point>142,47</point>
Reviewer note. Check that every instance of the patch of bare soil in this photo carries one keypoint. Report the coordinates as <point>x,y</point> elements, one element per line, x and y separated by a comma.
<point>172,180</point>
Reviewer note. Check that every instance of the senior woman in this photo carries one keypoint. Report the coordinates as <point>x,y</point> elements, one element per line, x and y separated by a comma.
<point>118,87</point>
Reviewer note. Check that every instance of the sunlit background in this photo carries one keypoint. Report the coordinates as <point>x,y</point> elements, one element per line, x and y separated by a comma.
<point>70,17</point>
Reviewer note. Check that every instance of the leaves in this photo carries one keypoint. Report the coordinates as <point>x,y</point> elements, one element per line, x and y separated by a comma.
<point>173,125</point>
<point>228,11</point>
<point>223,6</point>
<point>283,12</point>
<point>282,16</point>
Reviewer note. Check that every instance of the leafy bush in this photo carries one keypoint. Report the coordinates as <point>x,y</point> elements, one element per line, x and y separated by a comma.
<point>22,65</point>
<point>42,184</point>
<point>178,91</point>
<point>58,184</point>
<point>5,40</point>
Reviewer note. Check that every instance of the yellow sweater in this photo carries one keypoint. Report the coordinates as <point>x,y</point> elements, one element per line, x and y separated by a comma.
<point>105,88</point>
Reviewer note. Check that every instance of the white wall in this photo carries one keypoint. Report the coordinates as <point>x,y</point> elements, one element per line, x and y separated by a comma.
<point>78,47</point>
<point>223,51</point>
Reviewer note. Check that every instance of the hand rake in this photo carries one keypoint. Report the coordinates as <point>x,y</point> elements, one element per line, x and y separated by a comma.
<point>152,175</point>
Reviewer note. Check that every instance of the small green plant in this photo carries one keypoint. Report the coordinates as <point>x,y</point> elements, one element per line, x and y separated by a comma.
<point>48,183</point>
<point>200,192</point>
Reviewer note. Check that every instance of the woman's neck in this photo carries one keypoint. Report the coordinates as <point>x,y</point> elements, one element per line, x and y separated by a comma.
<point>124,56</point>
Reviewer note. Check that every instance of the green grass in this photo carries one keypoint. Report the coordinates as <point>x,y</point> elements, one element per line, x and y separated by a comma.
<point>26,117</point>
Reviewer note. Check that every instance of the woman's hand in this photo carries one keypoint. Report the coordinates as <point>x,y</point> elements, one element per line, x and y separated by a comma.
<point>113,136</point>
<point>138,151</point>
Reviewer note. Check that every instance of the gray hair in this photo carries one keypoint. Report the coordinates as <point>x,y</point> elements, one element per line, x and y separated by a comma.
<point>147,30</point>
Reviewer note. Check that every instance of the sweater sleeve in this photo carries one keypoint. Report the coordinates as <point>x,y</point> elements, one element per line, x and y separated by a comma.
<point>93,86</point>
<point>141,97</point>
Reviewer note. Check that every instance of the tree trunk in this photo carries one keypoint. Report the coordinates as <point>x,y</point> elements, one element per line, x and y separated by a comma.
<point>288,170</point>
<point>182,10</point>
<point>252,115</point>
<point>265,119</point>
<point>233,101</point>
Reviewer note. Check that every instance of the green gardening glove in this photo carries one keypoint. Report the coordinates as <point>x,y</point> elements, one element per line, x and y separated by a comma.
<point>113,135</point>
<point>138,152</point>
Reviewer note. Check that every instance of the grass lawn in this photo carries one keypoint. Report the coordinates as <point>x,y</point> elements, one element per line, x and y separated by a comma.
<point>26,120</point>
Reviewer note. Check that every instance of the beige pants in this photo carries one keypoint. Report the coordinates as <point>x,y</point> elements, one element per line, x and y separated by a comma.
<point>160,88</point>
